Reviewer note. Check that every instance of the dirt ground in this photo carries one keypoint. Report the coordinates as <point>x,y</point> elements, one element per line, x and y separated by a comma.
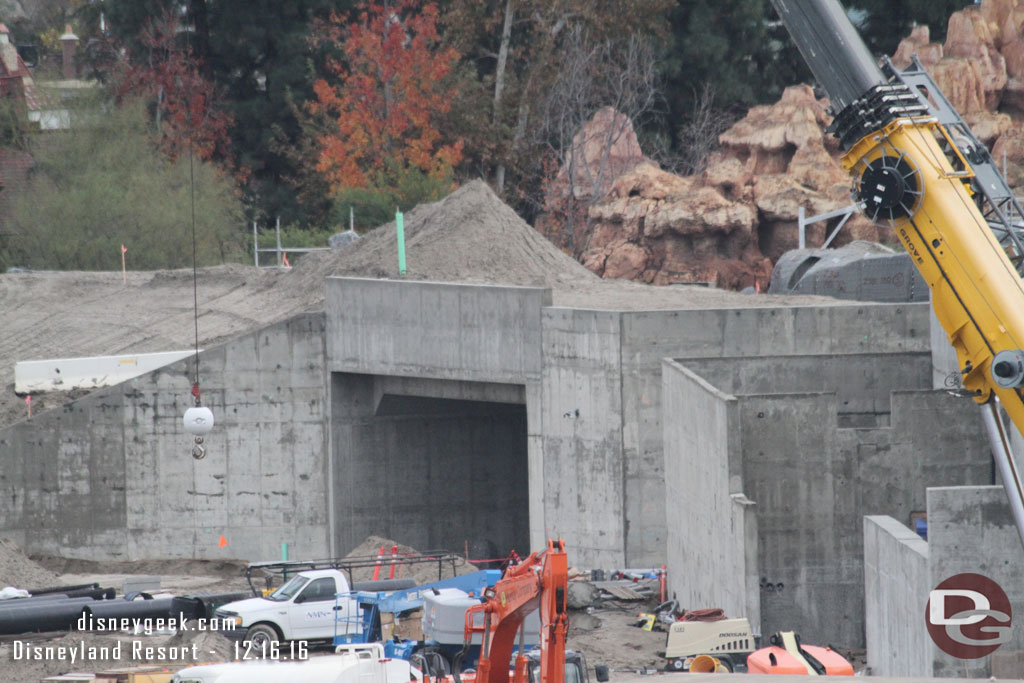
<point>606,634</point>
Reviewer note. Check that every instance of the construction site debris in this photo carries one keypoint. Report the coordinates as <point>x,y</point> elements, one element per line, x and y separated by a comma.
<point>419,572</point>
<point>582,594</point>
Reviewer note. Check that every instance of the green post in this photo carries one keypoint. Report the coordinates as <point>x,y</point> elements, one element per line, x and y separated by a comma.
<point>400,228</point>
<point>284,552</point>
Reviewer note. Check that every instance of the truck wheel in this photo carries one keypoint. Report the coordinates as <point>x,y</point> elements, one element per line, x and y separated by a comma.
<point>677,664</point>
<point>261,637</point>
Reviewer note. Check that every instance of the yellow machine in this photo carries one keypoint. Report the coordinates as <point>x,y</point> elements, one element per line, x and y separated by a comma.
<point>912,174</point>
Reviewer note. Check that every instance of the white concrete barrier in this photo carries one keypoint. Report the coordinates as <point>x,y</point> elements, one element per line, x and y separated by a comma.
<point>64,374</point>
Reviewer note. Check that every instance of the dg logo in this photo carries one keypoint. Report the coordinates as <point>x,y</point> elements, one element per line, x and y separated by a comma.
<point>968,616</point>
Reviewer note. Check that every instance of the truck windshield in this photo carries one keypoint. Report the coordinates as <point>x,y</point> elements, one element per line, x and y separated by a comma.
<point>289,589</point>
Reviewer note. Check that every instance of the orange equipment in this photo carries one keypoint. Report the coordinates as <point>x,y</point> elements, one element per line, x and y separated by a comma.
<point>787,655</point>
<point>541,580</point>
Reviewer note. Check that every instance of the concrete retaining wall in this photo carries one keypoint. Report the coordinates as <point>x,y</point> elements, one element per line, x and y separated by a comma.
<point>712,546</point>
<point>111,476</point>
<point>592,382</point>
<point>814,472</point>
<point>650,336</point>
<point>971,529</point>
<point>896,585</point>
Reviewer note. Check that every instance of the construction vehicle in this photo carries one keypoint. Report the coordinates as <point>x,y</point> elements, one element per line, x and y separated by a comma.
<point>539,582</point>
<point>350,664</point>
<point>307,606</point>
<point>728,641</point>
<point>939,192</point>
<point>788,656</point>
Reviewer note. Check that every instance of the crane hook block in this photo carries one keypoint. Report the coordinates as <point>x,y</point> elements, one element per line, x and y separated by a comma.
<point>1008,368</point>
<point>198,420</point>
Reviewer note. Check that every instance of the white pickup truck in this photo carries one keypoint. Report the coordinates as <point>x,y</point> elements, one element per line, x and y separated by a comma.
<point>304,608</point>
<point>352,664</point>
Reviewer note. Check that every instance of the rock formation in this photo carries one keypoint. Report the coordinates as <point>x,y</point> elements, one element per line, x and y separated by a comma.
<point>728,224</point>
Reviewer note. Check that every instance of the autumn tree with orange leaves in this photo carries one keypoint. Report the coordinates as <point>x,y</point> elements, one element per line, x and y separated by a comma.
<point>383,112</point>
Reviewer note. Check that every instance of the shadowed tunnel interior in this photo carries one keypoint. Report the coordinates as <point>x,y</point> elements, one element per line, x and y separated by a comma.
<point>428,471</point>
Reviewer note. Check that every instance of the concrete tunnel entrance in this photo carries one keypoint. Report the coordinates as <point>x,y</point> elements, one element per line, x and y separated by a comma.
<point>434,464</point>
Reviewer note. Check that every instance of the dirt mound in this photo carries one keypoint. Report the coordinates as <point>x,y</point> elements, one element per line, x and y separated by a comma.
<point>469,236</point>
<point>472,236</point>
<point>421,572</point>
<point>20,572</point>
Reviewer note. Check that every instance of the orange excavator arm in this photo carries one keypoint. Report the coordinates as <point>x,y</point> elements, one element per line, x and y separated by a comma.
<point>540,581</point>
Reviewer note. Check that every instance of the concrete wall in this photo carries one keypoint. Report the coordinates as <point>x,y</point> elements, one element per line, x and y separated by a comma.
<point>813,470</point>
<point>896,585</point>
<point>111,476</point>
<point>648,337</point>
<point>712,547</point>
<point>583,465</point>
<point>429,329</point>
<point>432,472</point>
<point>971,529</point>
<point>592,382</point>
<point>449,341</point>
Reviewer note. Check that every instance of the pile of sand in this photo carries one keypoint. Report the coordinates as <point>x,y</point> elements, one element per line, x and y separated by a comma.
<point>469,236</point>
<point>20,572</point>
<point>421,572</point>
<point>472,236</point>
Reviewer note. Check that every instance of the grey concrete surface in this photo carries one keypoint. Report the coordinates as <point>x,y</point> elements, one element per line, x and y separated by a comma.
<point>971,530</point>
<point>592,383</point>
<point>649,337</point>
<point>896,585</point>
<point>468,369</point>
<point>429,329</point>
<point>434,473</point>
<point>820,444</point>
<point>712,547</point>
<point>111,476</point>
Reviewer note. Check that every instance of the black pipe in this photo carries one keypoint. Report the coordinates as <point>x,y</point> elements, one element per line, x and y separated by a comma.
<point>32,600</point>
<point>94,593</point>
<point>50,615</point>
<point>832,49</point>
<point>135,609</point>
<point>61,589</point>
<point>384,585</point>
<point>204,605</point>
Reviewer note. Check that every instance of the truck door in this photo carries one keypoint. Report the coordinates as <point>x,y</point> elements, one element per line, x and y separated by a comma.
<point>312,613</point>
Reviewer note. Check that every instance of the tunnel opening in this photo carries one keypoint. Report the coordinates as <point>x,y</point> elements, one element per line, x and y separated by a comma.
<point>435,464</point>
